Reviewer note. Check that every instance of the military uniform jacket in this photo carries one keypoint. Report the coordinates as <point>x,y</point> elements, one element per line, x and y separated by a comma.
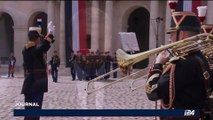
<point>72,59</point>
<point>108,60</point>
<point>12,61</point>
<point>55,61</point>
<point>35,68</point>
<point>189,87</point>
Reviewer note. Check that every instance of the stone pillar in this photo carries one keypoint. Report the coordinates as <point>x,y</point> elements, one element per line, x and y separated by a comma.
<point>209,17</point>
<point>62,35</point>
<point>108,25</point>
<point>75,26</point>
<point>154,13</point>
<point>50,17</point>
<point>20,39</point>
<point>95,25</point>
<point>168,17</point>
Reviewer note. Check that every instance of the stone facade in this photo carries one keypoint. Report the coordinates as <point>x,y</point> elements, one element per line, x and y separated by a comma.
<point>104,20</point>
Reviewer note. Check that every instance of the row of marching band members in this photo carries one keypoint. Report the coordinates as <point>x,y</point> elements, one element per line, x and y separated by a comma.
<point>87,66</point>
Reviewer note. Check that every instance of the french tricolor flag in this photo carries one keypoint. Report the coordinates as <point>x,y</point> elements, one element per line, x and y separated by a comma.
<point>78,25</point>
<point>188,5</point>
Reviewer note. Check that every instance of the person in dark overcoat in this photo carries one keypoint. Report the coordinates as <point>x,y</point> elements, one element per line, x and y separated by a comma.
<point>35,81</point>
<point>114,65</point>
<point>79,65</point>
<point>72,59</point>
<point>108,60</point>
<point>55,63</point>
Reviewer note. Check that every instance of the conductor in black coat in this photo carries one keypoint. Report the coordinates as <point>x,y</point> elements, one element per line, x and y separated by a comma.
<point>35,82</point>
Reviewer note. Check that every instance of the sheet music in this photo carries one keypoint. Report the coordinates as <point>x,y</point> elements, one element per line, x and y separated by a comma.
<point>129,41</point>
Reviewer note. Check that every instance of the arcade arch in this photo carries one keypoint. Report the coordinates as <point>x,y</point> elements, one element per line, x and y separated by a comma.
<point>138,22</point>
<point>7,37</point>
<point>33,21</point>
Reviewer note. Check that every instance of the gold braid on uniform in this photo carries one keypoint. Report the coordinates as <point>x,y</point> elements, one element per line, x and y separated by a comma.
<point>166,68</point>
<point>30,44</point>
<point>171,88</point>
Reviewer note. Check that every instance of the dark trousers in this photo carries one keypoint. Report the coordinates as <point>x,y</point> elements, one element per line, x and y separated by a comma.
<point>114,66</point>
<point>10,71</point>
<point>55,74</point>
<point>72,71</point>
<point>107,69</point>
<point>79,72</point>
<point>33,98</point>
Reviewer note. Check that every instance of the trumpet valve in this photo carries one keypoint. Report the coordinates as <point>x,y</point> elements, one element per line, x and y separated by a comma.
<point>172,59</point>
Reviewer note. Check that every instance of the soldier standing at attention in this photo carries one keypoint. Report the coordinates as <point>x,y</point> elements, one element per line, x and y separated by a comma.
<point>108,60</point>
<point>78,65</point>
<point>72,62</point>
<point>12,62</point>
<point>114,65</point>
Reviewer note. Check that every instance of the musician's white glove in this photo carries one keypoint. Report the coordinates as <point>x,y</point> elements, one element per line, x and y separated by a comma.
<point>51,31</point>
<point>162,57</point>
<point>51,27</point>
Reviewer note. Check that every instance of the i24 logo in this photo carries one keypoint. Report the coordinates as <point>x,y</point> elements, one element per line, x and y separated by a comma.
<point>189,112</point>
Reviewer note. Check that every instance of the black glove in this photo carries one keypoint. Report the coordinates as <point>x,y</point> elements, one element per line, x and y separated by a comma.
<point>52,38</point>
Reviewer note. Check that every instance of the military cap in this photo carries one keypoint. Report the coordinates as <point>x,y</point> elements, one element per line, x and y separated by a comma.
<point>186,21</point>
<point>34,28</point>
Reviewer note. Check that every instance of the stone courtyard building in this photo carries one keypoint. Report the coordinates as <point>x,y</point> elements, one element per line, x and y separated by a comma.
<point>92,25</point>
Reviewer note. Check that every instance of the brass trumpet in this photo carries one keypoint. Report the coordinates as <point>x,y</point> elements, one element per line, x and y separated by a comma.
<point>209,55</point>
<point>184,49</point>
<point>125,60</point>
<point>105,86</point>
<point>134,81</point>
<point>193,43</point>
<point>98,78</point>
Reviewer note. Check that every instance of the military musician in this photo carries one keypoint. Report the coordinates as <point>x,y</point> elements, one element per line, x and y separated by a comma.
<point>182,84</point>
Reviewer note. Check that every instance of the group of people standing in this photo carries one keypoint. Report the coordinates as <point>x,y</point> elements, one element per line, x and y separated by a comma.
<point>87,66</point>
